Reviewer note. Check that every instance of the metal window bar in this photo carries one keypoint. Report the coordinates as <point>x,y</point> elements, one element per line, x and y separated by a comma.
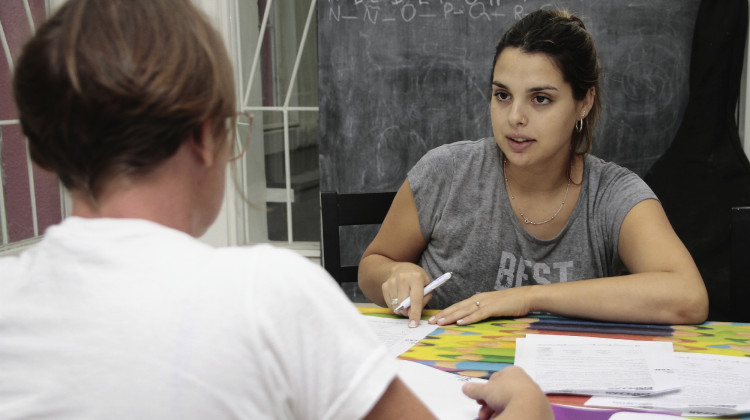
<point>285,108</point>
<point>29,17</point>
<point>30,168</point>
<point>3,216</point>
<point>4,238</point>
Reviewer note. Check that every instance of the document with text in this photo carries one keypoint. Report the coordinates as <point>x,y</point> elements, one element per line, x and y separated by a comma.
<point>597,366</point>
<point>396,334</point>
<point>711,385</point>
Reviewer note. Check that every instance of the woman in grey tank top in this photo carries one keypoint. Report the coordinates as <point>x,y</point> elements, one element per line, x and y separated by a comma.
<point>529,221</point>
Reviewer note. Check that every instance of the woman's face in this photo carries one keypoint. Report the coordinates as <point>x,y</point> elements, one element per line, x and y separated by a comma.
<point>533,109</point>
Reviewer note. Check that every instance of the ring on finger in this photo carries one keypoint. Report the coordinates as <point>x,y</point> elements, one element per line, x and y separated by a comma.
<point>394,301</point>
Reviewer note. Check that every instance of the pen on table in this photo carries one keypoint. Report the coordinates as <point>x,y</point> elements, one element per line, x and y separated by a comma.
<point>429,288</point>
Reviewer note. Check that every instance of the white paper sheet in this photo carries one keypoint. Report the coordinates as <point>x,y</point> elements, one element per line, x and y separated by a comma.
<point>439,391</point>
<point>597,366</point>
<point>396,334</point>
<point>712,385</point>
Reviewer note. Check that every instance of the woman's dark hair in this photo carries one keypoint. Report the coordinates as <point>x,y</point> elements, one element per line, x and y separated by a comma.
<point>110,88</point>
<point>563,38</point>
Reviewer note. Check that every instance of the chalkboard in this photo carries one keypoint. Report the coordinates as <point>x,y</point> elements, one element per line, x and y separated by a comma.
<point>400,77</point>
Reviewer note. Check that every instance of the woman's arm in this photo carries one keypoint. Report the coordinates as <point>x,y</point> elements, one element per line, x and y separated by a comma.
<point>388,267</point>
<point>665,286</point>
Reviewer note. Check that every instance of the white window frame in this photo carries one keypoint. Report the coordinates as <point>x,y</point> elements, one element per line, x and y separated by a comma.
<point>238,223</point>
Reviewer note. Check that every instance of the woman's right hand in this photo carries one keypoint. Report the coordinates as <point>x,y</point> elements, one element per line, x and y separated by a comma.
<point>387,270</point>
<point>407,280</point>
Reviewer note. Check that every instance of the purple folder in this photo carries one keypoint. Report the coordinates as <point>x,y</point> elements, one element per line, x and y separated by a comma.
<point>565,412</point>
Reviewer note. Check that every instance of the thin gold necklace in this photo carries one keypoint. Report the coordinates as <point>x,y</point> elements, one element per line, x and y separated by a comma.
<point>520,213</point>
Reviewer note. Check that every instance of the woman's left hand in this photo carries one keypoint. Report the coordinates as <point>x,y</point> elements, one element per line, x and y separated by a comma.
<point>512,302</point>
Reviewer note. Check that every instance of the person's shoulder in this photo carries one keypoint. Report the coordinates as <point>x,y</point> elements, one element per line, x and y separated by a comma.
<point>606,170</point>
<point>273,274</point>
<point>9,266</point>
<point>461,149</point>
<point>261,255</point>
<point>271,266</point>
<point>609,179</point>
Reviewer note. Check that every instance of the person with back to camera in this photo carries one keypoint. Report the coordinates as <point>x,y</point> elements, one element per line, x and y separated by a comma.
<point>119,312</point>
<point>529,221</point>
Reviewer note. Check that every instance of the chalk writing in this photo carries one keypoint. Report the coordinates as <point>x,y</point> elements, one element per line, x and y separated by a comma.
<point>400,77</point>
<point>393,11</point>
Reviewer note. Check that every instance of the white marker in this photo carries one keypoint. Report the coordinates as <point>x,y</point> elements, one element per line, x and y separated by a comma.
<point>429,288</point>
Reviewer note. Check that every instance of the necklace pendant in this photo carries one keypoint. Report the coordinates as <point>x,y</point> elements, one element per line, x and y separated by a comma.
<point>531,222</point>
<point>520,213</point>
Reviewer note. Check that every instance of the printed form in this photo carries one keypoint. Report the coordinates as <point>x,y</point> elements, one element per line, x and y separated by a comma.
<point>712,385</point>
<point>597,366</point>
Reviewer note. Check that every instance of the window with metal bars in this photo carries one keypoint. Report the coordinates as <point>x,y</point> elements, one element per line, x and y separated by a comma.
<point>276,53</point>
<point>30,198</point>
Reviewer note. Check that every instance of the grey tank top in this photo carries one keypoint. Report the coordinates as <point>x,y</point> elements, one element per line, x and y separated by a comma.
<point>466,219</point>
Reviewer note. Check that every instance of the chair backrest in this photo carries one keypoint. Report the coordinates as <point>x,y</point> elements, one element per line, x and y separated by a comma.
<point>346,210</point>
<point>740,270</point>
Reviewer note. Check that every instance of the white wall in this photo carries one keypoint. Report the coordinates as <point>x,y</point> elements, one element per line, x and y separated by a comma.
<point>224,230</point>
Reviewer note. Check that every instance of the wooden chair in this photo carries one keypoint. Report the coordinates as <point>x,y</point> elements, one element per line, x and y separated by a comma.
<point>347,210</point>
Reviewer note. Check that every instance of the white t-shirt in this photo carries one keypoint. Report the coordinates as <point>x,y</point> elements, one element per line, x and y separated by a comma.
<point>117,318</point>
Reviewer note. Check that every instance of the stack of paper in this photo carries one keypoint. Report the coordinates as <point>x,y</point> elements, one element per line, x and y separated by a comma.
<point>711,385</point>
<point>597,366</point>
<point>637,374</point>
